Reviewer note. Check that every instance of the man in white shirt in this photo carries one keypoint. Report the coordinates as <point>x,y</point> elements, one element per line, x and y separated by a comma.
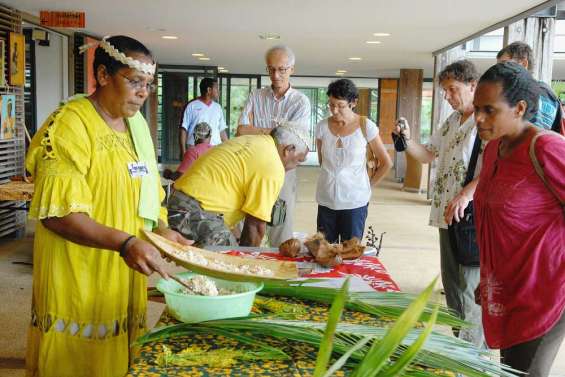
<point>270,106</point>
<point>203,109</point>
<point>451,146</point>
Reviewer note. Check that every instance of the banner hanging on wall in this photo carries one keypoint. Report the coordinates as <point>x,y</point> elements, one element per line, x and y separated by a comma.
<point>62,19</point>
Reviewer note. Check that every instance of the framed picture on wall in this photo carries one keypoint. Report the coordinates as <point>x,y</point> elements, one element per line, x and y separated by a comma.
<point>8,117</point>
<point>2,63</point>
<point>16,59</point>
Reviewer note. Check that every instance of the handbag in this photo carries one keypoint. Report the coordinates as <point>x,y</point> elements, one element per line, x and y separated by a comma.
<point>462,234</point>
<point>372,161</point>
<point>539,169</point>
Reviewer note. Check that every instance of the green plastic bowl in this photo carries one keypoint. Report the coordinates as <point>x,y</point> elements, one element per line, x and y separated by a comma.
<point>193,308</point>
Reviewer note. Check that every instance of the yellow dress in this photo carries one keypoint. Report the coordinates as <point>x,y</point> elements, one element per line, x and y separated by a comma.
<point>87,305</point>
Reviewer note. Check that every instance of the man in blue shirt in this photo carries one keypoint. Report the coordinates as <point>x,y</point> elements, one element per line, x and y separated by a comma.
<point>549,108</point>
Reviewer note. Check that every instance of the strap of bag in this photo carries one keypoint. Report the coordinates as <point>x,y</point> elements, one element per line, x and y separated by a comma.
<point>473,160</point>
<point>537,166</point>
<point>363,125</point>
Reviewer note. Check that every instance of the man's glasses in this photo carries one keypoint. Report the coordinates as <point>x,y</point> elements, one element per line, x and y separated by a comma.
<point>280,70</point>
<point>139,84</point>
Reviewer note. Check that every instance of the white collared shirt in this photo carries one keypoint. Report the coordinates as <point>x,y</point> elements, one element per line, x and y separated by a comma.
<point>452,145</point>
<point>267,111</point>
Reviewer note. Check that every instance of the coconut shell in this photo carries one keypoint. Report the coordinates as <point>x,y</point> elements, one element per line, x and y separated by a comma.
<point>290,248</point>
<point>352,249</point>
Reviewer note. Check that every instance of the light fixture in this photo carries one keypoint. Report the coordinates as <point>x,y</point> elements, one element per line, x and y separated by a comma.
<point>223,71</point>
<point>221,68</point>
<point>197,54</point>
<point>355,58</point>
<point>269,36</point>
<point>203,58</point>
<point>170,37</point>
<point>373,42</point>
<point>381,34</point>
<point>341,71</point>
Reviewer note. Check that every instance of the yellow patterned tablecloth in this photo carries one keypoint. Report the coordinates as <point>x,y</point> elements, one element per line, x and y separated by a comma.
<point>301,365</point>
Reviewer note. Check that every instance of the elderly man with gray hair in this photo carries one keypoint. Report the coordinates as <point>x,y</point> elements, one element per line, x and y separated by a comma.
<point>265,109</point>
<point>237,180</point>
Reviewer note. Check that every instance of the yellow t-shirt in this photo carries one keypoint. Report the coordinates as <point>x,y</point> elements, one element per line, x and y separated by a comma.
<point>241,176</point>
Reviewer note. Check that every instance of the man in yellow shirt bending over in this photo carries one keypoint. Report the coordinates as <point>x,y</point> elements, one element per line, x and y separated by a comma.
<point>239,179</point>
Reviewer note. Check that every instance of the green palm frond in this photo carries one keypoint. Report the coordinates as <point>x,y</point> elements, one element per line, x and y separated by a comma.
<point>378,355</point>
<point>381,304</point>
<point>326,345</point>
<point>440,352</point>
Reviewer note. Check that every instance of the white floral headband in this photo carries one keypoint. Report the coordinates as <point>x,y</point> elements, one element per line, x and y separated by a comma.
<point>296,129</point>
<point>120,56</point>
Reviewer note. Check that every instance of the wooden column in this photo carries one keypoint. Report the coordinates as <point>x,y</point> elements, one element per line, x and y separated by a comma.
<point>388,99</point>
<point>364,102</point>
<point>539,33</point>
<point>151,117</point>
<point>410,107</point>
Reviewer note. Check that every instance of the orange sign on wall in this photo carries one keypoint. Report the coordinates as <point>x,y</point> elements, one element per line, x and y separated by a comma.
<point>62,19</point>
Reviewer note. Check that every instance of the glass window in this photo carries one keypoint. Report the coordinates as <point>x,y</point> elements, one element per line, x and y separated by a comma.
<point>239,91</point>
<point>374,105</point>
<point>489,42</point>
<point>559,41</point>
<point>426,112</point>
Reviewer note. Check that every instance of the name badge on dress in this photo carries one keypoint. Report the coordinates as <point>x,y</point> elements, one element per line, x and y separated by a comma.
<point>137,169</point>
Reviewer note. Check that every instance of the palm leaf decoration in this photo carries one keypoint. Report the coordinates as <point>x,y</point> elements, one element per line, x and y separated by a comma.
<point>381,304</point>
<point>439,353</point>
<point>326,345</point>
<point>377,357</point>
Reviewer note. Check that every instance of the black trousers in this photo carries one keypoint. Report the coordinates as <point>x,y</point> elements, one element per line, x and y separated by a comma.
<point>536,356</point>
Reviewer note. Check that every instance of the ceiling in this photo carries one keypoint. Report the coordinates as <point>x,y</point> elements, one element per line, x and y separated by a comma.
<point>322,33</point>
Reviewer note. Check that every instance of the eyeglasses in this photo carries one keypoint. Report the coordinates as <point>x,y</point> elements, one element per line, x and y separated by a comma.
<point>139,84</point>
<point>340,106</point>
<point>280,70</point>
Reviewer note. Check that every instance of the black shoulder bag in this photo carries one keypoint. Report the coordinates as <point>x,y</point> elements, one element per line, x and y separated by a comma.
<point>462,234</point>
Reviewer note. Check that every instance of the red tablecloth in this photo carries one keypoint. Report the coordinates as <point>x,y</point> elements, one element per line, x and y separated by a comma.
<point>370,269</point>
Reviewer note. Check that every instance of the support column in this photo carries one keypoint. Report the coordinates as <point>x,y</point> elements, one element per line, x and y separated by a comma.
<point>363,103</point>
<point>388,102</point>
<point>410,107</point>
<point>539,33</point>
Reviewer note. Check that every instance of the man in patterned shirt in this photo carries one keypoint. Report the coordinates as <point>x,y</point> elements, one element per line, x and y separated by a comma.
<point>451,146</point>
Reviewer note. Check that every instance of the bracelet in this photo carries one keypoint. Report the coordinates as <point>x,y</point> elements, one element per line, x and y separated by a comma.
<point>124,245</point>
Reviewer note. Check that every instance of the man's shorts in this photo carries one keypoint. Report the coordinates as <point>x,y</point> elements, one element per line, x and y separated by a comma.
<point>187,217</point>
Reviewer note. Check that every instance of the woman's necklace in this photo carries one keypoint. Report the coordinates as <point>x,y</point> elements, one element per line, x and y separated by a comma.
<point>126,145</point>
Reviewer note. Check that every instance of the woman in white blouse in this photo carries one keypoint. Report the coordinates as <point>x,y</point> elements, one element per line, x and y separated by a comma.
<point>344,187</point>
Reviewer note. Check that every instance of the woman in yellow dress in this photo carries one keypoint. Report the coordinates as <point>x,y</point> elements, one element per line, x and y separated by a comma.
<point>96,188</point>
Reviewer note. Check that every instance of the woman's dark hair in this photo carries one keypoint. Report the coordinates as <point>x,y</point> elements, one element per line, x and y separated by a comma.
<point>462,70</point>
<point>343,89</point>
<point>517,85</point>
<point>123,44</point>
